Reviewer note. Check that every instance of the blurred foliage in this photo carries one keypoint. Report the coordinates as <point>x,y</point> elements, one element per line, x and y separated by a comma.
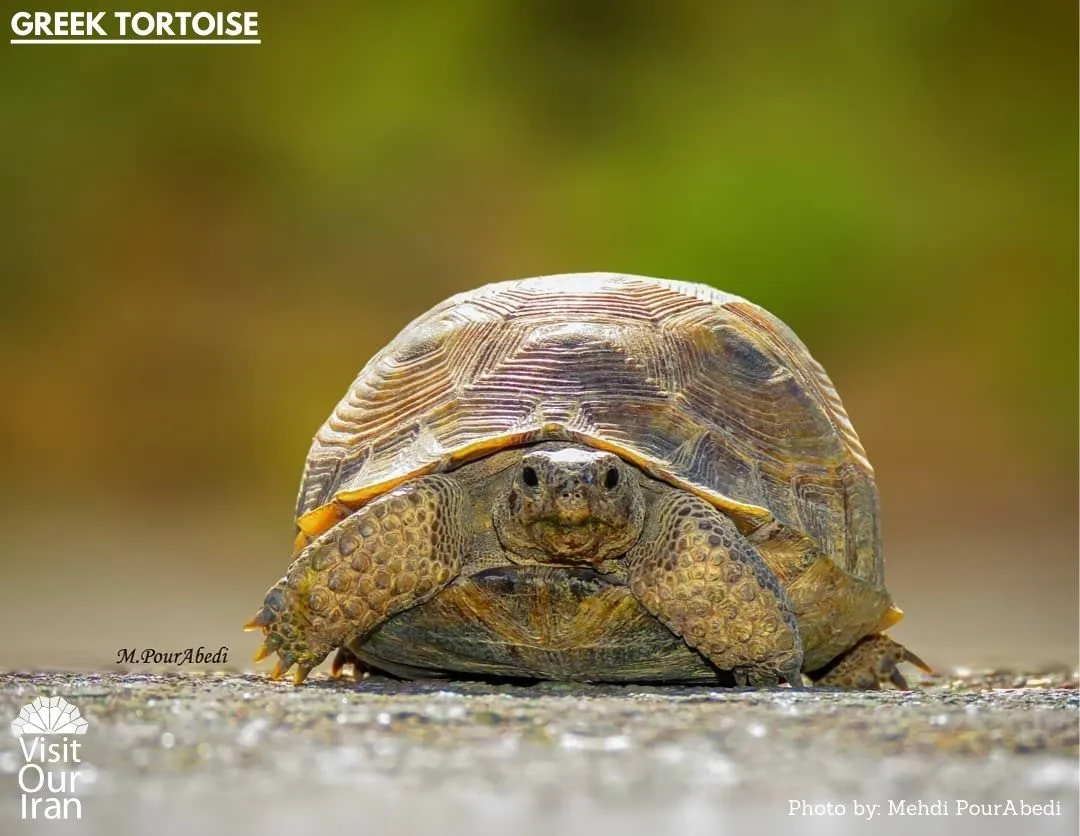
<point>201,246</point>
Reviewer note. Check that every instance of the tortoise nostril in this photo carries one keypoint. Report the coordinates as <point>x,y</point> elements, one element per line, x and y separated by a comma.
<point>571,491</point>
<point>529,477</point>
<point>611,479</point>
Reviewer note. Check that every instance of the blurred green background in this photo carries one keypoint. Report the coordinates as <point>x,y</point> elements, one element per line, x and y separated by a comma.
<point>202,245</point>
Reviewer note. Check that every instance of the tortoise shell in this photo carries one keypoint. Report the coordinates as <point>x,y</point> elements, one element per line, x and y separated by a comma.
<point>697,387</point>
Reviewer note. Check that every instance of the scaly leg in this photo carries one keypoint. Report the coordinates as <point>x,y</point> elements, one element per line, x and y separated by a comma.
<point>870,664</point>
<point>696,573</point>
<point>395,552</point>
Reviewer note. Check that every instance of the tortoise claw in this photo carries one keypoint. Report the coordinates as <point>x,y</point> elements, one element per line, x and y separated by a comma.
<point>762,677</point>
<point>912,659</point>
<point>897,678</point>
<point>262,653</point>
<point>794,678</point>
<point>270,644</point>
<point>263,619</point>
<point>284,662</point>
<point>343,659</point>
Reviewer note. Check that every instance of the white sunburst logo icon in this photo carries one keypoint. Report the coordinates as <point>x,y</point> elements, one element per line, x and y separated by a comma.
<point>48,715</point>
<point>48,731</point>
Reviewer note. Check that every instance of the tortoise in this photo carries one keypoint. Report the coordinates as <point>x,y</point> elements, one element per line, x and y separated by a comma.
<point>589,477</point>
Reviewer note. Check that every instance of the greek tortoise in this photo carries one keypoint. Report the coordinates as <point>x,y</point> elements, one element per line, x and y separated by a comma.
<point>594,477</point>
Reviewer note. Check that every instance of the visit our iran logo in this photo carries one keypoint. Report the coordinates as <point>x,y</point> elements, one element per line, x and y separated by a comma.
<point>48,778</point>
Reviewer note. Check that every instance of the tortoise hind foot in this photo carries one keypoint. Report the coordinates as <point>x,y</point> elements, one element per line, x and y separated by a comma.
<point>347,665</point>
<point>393,553</point>
<point>769,677</point>
<point>870,664</point>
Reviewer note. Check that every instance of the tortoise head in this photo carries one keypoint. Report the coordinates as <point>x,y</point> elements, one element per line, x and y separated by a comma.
<point>570,504</point>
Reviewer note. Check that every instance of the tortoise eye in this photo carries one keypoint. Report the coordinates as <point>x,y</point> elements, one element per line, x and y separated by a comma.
<point>529,477</point>
<point>611,479</point>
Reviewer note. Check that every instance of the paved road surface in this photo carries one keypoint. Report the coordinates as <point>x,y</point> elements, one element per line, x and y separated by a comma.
<point>236,754</point>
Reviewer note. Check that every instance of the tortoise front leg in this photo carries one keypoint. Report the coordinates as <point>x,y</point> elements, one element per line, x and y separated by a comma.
<point>695,572</point>
<point>870,664</point>
<point>395,552</point>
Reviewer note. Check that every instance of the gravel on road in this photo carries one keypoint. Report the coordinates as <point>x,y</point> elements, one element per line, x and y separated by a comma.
<point>232,753</point>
